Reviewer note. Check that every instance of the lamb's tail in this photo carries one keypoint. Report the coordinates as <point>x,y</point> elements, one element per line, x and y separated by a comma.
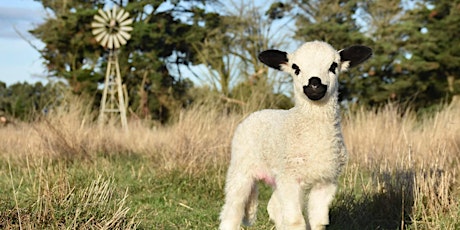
<point>250,209</point>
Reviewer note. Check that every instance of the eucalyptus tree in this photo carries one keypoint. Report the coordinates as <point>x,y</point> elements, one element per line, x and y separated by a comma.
<point>229,54</point>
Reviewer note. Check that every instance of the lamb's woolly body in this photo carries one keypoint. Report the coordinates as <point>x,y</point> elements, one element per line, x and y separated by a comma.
<point>293,150</point>
<point>271,142</point>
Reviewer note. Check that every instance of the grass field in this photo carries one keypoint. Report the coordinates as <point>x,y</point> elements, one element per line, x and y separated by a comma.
<point>65,172</point>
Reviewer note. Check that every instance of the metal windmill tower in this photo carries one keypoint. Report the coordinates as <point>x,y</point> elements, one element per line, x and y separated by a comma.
<point>111,29</point>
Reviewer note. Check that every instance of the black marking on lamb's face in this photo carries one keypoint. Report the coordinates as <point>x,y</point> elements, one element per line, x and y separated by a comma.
<point>315,90</point>
<point>296,68</point>
<point>333,67</point>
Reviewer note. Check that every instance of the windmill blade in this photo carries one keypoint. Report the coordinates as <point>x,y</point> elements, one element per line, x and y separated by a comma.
<point>121,38</point>
<point>124,17</point>
<point>102,13</point>
<point>100,36</point>
<point>95,25</point>
<point>98,31</point>
<point>114,12</point>
<point>120,14</point>
<point>125,35</point>
<point>100,19</point>
<point>126,28</point>
<point>109,14</point>
<point>110,42</point>
<point>126,22</point>
<point>105,39</point>
<point>116,42</point>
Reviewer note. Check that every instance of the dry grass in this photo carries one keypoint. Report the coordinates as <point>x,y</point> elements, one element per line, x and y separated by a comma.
<point>403,170</point>
<point>198,139</point>
<point>407,167</point>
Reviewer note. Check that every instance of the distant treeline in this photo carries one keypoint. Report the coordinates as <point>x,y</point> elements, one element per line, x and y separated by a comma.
<point>415,63</point>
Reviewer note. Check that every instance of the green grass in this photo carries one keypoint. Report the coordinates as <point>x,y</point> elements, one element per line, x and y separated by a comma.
<point>68,173</point>
<point>127,191</point>
<point>155,199</point>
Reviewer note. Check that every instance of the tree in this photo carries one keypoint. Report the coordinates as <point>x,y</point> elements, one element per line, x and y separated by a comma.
<point>24,101</point>
<point>385,80</point>
<point>434,50</point>
<point>390,75</point>
<point>71,52</point>
<point>330,21</point>
<point>230,50</point>
<point>161,41</point>
<point>416,52</point>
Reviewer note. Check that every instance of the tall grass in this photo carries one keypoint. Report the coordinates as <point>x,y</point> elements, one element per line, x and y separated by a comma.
<point>66,171</point>
<point>403,170</point>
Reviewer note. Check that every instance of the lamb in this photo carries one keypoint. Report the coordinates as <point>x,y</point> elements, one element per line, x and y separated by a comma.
<point>295,150</point>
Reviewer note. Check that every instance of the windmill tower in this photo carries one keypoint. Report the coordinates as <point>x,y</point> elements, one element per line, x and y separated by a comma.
<point>111,29</point>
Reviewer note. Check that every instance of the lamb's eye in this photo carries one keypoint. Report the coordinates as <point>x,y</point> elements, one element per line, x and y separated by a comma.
<point>333,67</point>
<point>296,69</point>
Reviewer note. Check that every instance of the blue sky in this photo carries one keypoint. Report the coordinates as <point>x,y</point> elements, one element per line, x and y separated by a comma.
<point>20,62</point>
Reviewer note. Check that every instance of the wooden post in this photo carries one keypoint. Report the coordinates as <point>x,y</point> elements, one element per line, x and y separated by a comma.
<point>115,102</point>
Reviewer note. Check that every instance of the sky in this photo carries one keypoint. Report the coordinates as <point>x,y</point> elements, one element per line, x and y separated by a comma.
<point>19,61</point>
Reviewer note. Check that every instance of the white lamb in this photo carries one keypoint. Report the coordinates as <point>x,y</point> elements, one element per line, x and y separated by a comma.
<point>294,150</point>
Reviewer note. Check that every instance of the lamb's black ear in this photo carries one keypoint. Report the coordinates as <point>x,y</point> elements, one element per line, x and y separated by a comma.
<point>354,55</point>
<point>273,58</point>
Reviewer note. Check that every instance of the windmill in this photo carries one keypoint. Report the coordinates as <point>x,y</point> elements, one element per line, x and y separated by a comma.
<point>111,29</point>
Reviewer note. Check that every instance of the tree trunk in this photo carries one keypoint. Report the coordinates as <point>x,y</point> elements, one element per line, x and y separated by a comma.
<point>451,87</point>
<point>450,83</point>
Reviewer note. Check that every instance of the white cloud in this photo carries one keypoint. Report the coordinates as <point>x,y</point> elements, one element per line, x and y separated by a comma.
<point>19,61</point>
<point>14,19</point>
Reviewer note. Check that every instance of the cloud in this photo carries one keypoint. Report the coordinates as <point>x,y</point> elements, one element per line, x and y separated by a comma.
<point>18,19</point>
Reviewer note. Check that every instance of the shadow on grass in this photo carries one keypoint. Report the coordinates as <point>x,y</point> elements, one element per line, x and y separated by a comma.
<point>388,205</point>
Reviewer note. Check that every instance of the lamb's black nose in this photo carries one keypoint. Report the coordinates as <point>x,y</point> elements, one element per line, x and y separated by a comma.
<point>315,90</point>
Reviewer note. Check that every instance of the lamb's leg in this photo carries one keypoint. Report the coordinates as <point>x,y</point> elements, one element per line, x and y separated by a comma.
<point>290,196</point>
<point>237,191</point>
<point>250,209</point>
<point>321,196</point>
<point>274,210</point>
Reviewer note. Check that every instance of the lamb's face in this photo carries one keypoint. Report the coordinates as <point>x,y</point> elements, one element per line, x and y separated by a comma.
<point>315,67</point>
